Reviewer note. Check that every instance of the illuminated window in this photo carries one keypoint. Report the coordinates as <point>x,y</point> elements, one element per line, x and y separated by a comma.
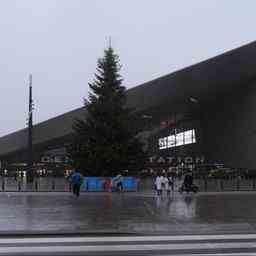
<point>163,143</point>
<point>179,139</point>
<point>182,138</point>
<point>171,141</point>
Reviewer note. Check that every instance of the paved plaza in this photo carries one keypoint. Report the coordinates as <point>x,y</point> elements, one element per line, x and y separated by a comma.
<point>134,212</point>
<point>134,223</point>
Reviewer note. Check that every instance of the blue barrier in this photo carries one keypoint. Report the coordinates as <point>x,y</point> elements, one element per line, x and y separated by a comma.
<point>108,184</point>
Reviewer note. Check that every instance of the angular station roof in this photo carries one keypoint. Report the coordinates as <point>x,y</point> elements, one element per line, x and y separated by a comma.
<point>204,81</point>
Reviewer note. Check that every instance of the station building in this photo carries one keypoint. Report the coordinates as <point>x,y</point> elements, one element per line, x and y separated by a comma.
<point>202,113</point>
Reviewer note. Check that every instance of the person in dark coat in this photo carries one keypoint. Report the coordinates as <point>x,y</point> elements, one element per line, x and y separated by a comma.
<point>188,180</point>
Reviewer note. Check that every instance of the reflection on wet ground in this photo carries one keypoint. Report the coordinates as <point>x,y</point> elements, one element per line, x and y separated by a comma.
<point>131,212</point>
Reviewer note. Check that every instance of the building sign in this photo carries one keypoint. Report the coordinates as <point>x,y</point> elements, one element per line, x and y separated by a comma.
<point>57,155</point>
<point>170,160</point>
<point>177,139</point>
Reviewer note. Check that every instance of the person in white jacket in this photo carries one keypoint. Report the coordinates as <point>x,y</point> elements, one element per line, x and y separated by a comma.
<point>167,181</point>
<point>159,183</point>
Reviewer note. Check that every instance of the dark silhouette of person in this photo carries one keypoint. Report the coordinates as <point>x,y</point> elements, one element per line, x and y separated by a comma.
<point>76,181</point>
<point>188,180</point>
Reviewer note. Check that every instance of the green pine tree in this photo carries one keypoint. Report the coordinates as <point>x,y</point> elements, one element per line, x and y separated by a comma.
<point>105,142</point>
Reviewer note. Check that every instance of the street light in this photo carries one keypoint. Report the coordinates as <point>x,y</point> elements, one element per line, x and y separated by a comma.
<point>193,100</point>
<point>146,117</point>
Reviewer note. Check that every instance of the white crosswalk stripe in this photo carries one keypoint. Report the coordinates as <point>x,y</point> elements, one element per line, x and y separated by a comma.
<point>233,244</point>
<point>126,238</point>
<point>210,254</point>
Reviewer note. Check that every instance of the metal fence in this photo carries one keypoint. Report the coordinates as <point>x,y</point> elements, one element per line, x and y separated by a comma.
<point>234,184</point>
<point>208,184</point>
<point>41,184</point>
<point>61,184</point>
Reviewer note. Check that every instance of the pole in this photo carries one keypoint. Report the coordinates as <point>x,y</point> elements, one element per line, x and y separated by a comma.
<point>30,174</point>
<point>175,139</point>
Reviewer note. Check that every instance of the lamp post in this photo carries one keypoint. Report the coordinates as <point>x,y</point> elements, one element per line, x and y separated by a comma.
<point>30,174</point>
<point>195,102</point>
<point>175,138</point>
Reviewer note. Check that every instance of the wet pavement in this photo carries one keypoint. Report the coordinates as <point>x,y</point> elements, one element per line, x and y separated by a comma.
<point>137,212</point>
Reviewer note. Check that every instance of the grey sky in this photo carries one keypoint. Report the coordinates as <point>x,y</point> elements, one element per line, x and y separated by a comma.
<point>59,41</point>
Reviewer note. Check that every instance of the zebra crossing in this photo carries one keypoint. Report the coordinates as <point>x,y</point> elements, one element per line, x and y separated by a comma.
<point>195,245</point>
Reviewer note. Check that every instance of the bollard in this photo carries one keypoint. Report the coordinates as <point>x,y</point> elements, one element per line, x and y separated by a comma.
<point>36,185</point>
<point>221,185</point>
<point>205,185</point>
<point>200,183</point>
<point>53,184</point>
<point>237,184</point>
<point>19,186</point>
<point>3,185</point>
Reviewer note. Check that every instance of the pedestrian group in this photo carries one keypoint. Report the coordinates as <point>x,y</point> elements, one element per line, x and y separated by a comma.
<point>163,183</point>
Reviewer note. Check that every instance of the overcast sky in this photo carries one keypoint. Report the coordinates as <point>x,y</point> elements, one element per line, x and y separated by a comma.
<point>59,42</point>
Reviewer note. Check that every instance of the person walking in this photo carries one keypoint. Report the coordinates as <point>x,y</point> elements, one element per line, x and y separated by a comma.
<point>76,182</point>
<point>119,183</point>
<point>158,184</point>
<point>167,183</point>
<point>188,180</point>
<point>16,175</point>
